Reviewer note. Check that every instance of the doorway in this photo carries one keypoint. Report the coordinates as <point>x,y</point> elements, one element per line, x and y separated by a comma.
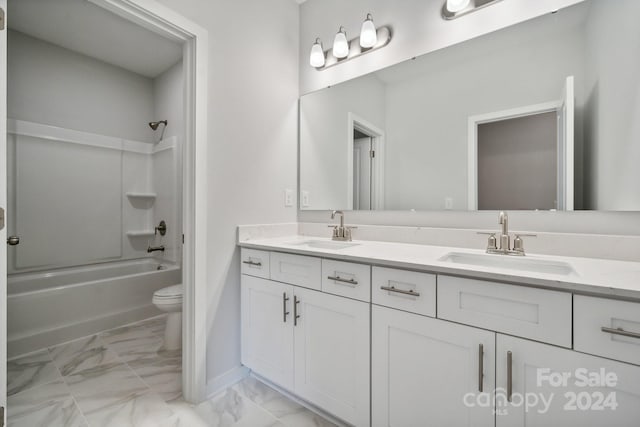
<point>366,164</point>
<point>193,42</point>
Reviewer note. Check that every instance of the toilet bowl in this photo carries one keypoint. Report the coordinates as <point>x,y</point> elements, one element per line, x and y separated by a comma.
<point>169,300</point>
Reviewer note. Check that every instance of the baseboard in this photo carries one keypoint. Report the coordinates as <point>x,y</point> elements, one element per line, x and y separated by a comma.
<point>226,380</point>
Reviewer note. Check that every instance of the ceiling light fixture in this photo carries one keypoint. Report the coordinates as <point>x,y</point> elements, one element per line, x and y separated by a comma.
<point>368,33</point>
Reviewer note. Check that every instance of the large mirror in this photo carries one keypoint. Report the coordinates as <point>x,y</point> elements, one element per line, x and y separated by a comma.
<point>543,115</point>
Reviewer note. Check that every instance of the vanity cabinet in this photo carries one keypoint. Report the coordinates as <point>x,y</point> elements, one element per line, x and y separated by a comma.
<point>558,375</point>
<point>423,368</point>
<point>315,344</point>
<point>383,346</point>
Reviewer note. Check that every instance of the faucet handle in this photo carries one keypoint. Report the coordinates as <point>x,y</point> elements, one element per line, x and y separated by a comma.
<point>518,243</point>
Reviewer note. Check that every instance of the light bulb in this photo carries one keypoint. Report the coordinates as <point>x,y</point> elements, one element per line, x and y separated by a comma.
<point>457,5</point>
<point>368,33</point>
<point>316,58</point>
<point>340,44</point>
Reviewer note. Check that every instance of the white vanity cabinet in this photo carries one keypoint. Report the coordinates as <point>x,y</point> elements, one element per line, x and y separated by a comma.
<point>386,347</point>
<point>558,375</point>
<point>424,368</point>
<point>315,344</point>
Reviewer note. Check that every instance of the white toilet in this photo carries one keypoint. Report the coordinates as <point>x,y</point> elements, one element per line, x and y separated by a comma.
<point>169,300</point>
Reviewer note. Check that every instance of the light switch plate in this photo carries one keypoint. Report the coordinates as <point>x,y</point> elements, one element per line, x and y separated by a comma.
<point>305,199</point>
<point>288,198</point>
<point>448,203</point>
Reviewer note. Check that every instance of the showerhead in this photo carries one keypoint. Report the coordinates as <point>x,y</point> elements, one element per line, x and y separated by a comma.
<point>154,125</point>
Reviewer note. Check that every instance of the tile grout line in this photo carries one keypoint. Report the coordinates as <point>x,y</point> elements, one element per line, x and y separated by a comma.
<point>73,397</point>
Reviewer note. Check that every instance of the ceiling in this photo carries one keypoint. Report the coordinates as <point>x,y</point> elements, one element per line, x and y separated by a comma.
<point>85,28</point>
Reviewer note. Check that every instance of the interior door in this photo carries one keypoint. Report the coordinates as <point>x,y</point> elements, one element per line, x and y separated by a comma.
<point>3,206</point>
<point>362,174</point>
<point>566,146</point>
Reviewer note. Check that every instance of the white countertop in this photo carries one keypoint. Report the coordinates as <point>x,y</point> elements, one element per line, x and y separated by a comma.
<point>608,278</point>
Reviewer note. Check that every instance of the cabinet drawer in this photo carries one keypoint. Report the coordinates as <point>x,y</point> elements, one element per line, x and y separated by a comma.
<point>296,269</point>
<point>592,314</point>
<point>255,263</point>
<point>404,290</point>
<point>346,279</point>
<point>538,314</point>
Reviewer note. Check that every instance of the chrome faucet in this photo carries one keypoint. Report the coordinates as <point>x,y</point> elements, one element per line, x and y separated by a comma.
<point>340,232</point>
<point>504,247</point>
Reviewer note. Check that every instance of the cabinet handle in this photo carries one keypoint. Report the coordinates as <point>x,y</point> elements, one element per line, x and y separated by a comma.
<point>400,291</point>
<point>340,279</point>
<point>509,375</point>
<point>480,366</point>
<point>296,316</point>
<point>257,264</point>
<point>284,307</point>
<point>620,331</point>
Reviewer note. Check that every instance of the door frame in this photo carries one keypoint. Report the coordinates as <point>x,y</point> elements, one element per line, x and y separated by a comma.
<point>355,122</point>
<point>164,21</point>
<point>3,205</point>
<point>475,121</point>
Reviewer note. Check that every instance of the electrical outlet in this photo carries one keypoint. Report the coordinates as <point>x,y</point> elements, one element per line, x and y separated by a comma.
<point>448,203</point>
<point>288,198</point>
<point>306,200</point>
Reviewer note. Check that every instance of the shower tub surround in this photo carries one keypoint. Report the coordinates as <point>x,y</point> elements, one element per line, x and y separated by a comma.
<point>123,377</point>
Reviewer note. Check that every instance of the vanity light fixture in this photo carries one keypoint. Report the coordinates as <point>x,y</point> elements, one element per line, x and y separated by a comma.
<point>368,33</point>
<point>369,40</point>
<point>453,9</point>
<point>316,58</point>
<point>340,44</point>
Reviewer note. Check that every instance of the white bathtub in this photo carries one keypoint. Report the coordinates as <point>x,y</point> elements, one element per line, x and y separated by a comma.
<point>49,308</point>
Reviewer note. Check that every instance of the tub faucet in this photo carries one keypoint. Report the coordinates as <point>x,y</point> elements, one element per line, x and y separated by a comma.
<point>155,249</point>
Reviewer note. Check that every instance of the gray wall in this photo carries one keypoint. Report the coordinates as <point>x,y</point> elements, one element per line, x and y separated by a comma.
<point>517,163</point>
<point>55,86</point>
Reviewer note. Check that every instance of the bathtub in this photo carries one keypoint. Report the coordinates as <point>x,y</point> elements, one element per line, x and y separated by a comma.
<point>49,308</point>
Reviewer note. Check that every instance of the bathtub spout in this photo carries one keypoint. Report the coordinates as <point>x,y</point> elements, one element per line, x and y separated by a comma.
<point>155,249</point>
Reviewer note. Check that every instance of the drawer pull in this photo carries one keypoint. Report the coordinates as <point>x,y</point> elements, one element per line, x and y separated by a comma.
<point>620,331</point>
<point>340,279</point>
<point>480,366</point>
<point>509,375</point>
<point>285,298</point>
<point>256,264</point>
<point>400,291</point>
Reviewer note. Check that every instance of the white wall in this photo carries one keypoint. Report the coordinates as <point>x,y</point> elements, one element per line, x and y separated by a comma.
<point>417,28</point>
<point>613,106</point>
<point>253,90</point>
<point>168,101</point>
<point>324,158</point>
<point>54,86</point>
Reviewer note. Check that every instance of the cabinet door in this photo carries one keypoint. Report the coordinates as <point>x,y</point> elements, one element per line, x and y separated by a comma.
<point>267,329</point>
<point>332,354</point>
<point>541,371</point>
<point>424,370</point>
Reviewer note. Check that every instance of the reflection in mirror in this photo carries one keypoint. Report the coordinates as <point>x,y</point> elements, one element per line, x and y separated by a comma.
<point>541,115</point>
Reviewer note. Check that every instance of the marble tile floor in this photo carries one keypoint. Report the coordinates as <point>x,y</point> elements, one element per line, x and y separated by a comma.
<point>124,377</point>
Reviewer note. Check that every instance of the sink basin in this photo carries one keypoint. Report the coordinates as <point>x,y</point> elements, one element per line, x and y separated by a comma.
<point>531,265</point>
<point>325,244</point>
